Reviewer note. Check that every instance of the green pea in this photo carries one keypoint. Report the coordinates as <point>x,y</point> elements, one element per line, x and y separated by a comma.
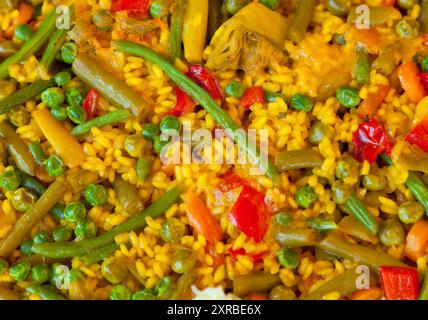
<point>410,212</point>
<point>170,123</point>
<point>319,131</point>
<point>348,97</point>
<point>272,96</point>
<point>74,96</point>
<point>62,234</point>
<point>424,64</point>
<point>146,294</point>
<point>339,39</point>
<point>54,166</point>
<point>233,6</point>
<point>306,197</point>
<point>19,116</point>
<point>283,218</point>
<point>282,293</point>
<point>75,212</point>
<point>159,8</point>
<point>173,230</point>
<point>22,200</point>
<point>3,265</point>
<point>150,131</point>
<point>163,287</point>
<point>62,78</point>
<point>407,28</point>
<point>23,32</point>
<point>42,237</point>
<point>302,102</point>
<point>114,270</point>
<point>76,114</point>
<point>40,273</point>
<point>374,182</point>
<point>134,145</point>
<point>235,89</point>
<point>69,52</point>
<point>59,113</point>
<point>53,97</point>
<point>96,194</point>
<point>120,292</point>
<point>10,180</point>
<point>391,233</point>
<point>25,247</point>
<point>183,261</point>
<point>20,271</point>
<point>338,7</point>
<point>102,19</point>
<point>159,144</point>
<point>271,4</point>
<point>85,229</point>
<point>347,167</point>
<point>288,258</point>
<point>341,192</point>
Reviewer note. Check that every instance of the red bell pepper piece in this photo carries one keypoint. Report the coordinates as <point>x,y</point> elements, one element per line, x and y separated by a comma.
<point>419,135</point>
<point>399,283</point>
<point>231,181</point>
<point>370,140</point>
<point>253,95</point>
<point>423,77</point>
<point>90,104</point>
<point>203,78</point>
<point>133,7</point>
<point>255,257</point>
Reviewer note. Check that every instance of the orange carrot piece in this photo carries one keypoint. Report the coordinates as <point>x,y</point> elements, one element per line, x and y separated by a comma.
<point>369,38</point>
<point>367,294</point>
<point>408,75</point>
<point>417,240</point>
<point>25,13</point>
<point>201,218</point>
<point>257,296</point>
<point>388,3</point>
<point>373,102</point>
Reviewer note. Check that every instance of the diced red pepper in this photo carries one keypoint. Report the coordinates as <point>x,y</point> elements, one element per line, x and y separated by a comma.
<point>138,8</point>
<point>231,181</point>
<point>370,140</point>
<point>423,77</point>
<point>399,283</point>
<point>253,95</point>
<point>90,104</point>
<point>419,135</point>
<point>184,104</point>
<point>250,213</point>
<point>255,257</point>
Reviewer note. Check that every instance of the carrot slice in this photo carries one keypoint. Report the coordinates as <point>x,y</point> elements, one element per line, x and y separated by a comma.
<point>201,218</point>
<point>410,82</point>
<point>367,294</point>
<point>417,240</point>
<point>373,102</point>
<point>25,13</point>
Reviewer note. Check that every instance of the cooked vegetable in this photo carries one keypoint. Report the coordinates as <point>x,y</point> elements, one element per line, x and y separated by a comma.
<point>103,20</point>
<point>53,47</point>
<point>46,292</point>
<point>319,131</point>
<point>302,102</point>
<point>418,135</point>
<point>417,240</point>
<point>301,19</point>
<point>408,75</point>
<point>338,7</point>
<point>37,152</point>
<point>391,233</point>
<point>214,17</point>
<point>254,282</point>
<point>104,120</point>
<point>176,29</point>
<point>298,159</point>
<point>424,290</point>
<point>100,254</point>
<point>370,105</point>
<point>252,95</point>
<point>22,200</point>
<point>362,67</point>
<point>410,212</point>
<point>195,29</point>
<point>399,283</point>
<point>289,237</point>
<point>10,180</point>
<point>407,28</point>
<point>348,97</point>
<point>113,89</point>
<point>288,258</point>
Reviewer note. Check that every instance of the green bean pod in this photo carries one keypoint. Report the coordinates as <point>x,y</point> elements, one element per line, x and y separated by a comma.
<point>289,237</point>
<point>418,189</point>
<point>46,292</point>
<point>104,120</point>
<point>298,159</point>
<point>359,210</point>
<point>301,19</point>
<point>254,283</point>
<point>176,30</point>
<point>100,254</point>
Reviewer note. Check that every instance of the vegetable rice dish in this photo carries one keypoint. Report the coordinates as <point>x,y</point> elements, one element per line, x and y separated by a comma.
<point>214,149</point>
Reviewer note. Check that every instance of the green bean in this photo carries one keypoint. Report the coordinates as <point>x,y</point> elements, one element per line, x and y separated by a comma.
<point>176,30</point>
<point>322,225</point>
<point>344,284</point>
<point>362,68</point>
<point>100,254</point>
<point>128,196</point>
<point>423,295</point>
<point>203,98</point>
<point>46,292</point>
<point>37,151</point>
<point>183,286</point>
<point>8,294</point>
<point>214,17</point>
<point>301,19</point>
<point>104,120</point>
<point>33,45</point>
<point>423,17</point>
<point>23,95</point>
<point>298,159</point>
<point>53,47</point>
<point>389,58</point>
<point>289,237</point>
<point>144,168</point>
<point>7,48</point>
<point>419,189</point>
<point>29,219</point>
<point>254,282</point>
<point>338,246</point>
<point>113,89</point>
<point>75,249</point>
<point>359,211</point>
<point>33,185</point>
<point>17,148</point>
